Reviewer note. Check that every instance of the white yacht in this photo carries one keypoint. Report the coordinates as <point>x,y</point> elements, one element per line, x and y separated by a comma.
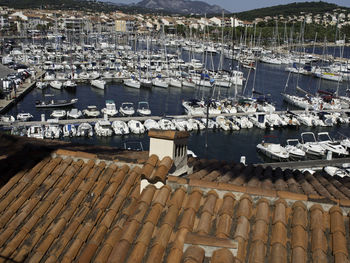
<point>98,83</point>
<point>136,127</point>
<point>273,150</point>
<point>293,150</point>
<point>110,109</point>
<point>132,83</point>
<point>211,123</point>
<point>58,114</point>
<point>56,84</point>
<point>151,124</point>
<point>310,146</point>
<point>226,124</point>
<point>36,131</point>
<point>127,109</point>
<point>160,83</point>
<point>120,128</point>
<point>69,84</point>
<point>143,108</point>
<point>166,124</point>
<point>24,116</point>
<point>329,145</point>
<point>74,113</point>
<point>103,128</point>
<point>91,111</point>
<point>52,131</point>
<point>85,130</point>
<point>69,130</point>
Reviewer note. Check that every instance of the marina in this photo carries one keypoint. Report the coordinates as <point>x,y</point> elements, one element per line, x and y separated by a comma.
<point>242,103</point>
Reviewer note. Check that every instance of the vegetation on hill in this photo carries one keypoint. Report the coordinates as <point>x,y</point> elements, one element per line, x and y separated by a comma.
<point>84,5</point>
<point>289,10</point>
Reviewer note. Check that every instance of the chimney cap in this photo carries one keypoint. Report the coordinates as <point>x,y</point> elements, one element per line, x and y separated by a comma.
<point>168,135</point>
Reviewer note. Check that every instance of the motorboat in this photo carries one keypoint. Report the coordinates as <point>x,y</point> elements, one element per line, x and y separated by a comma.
<point>69,84</point>
<point>58,114</point>
<point>226,124</point>
<point>132,83</point>
<point>35,131</point>
<point>273,150</point>
<point>166,124</point>
<point>259,120</point>
<point>182,125</point>
<point>110,109</point>
<point>55,103</point>
<point>143,108</point>
<point>7,118</point>
<point>336,171</point>
<point>69,130</point>
<point>310,146</point>
<point>120,128</point>
<point>56,84</point>
<point>211,123</point>
<point>41,84</point>
<point>52,131</point>
<point>136,127</point>
<point>103,128</point>
<point>196,124</point>
<point>74,113</point>
<point>24,116</point>
<point>193,107</point>
<point>91,111</point>
<point>98,83</point>
<point>151,124</point>
<point>127,109</point>
<point>174,82</point>
<point>293,150</point>
<point>85,130</point>
<point>329,145</point>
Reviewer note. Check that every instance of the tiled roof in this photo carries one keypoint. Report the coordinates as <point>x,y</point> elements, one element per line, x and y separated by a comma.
<point>155,170</point>
<point>68,207</point>
<point>270,180</point>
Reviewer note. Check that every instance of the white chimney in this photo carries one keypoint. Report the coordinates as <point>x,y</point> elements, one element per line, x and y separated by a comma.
<point>172,144</point>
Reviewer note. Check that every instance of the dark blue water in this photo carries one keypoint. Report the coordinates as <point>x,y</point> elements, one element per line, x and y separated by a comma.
<point>270,79</point>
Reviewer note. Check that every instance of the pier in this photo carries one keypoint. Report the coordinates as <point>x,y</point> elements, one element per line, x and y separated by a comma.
<point>25,88</point>
<point>308,164</point>
<point>157,118</point>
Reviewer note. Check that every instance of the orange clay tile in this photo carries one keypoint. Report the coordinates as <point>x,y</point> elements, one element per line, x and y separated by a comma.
<point>299,237</point>
<point>210,202</point>
<point>178,198</point>
<point>299,217</point>
<point>298,255</point>
<point>159,174</point>
<point>340,257</point>
<point>194,199</point>
<point>245,206</point>
<point>292,196</point>
<point>156,254</point>
<point>318,240</point>
<point>204,223</point>
<point>257,252</point>
<point>222,256</point>
<point>279,214</point>
<point>119,252</point>
<point>337,221</point>
<point>319,256</point>
<point>228,205</point>
<point>175,255</point>
<point>152,160</point>
<point>260,191</point>
<point>316,217</point>
<point>194,253</point>
<point>243,228</point>
<point>279,234</point>
<point>187,220</point>
<point>278,253</point>
<point>339,244</point>
<point>224,226</point>
<point>167,162</point>
<point>260,231</point>
<point>262,211</point>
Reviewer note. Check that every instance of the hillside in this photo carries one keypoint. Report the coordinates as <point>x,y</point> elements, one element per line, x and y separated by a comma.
<point>289,10</point>
<point>87,5</point>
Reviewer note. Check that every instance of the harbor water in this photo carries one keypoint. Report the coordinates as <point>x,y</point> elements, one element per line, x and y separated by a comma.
<point>229,146</point>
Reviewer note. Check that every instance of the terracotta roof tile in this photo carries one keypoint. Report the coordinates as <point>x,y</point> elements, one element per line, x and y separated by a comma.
<point>260,231</point>
<point>299,217</point>
<point>258,251</point>
<point>245,206</point>
<point>222,256</point>
<point>280,212</point>
<point>243,228</point>
<point>194,254</point>
<point>263,211</point>
<point>278,253</point>
<point>337,221</point>
<point>228,205</point>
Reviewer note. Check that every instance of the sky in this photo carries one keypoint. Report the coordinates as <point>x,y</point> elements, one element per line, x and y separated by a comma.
<point>239,6</point>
